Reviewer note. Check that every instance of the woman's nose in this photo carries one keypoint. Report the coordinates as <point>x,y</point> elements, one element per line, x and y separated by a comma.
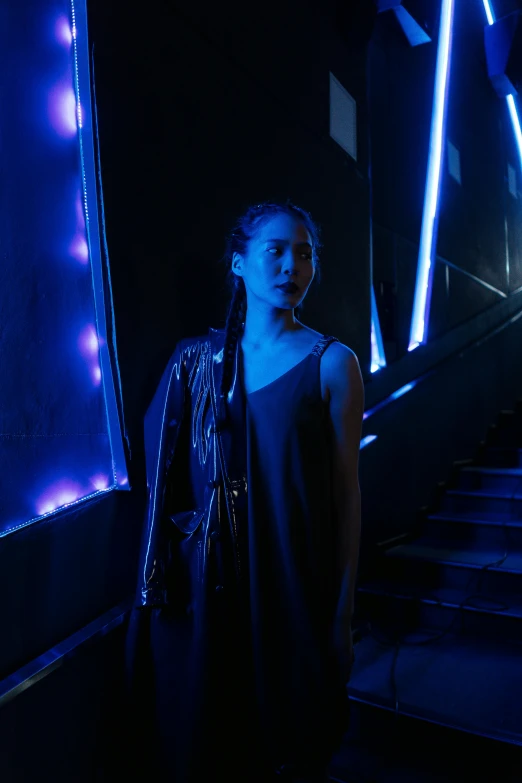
<point>290,264</point>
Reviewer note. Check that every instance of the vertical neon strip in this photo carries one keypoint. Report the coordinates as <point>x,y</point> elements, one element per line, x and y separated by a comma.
<point>418,333</point>
<point>378,359</point>
<point>489,12</point>
<point>516,124</point>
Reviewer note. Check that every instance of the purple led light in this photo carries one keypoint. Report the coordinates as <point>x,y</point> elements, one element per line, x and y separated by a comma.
<point>80,217</point>
<point>63,31</point>
<point>89,346</point>
<point>88,342</point>
<point>100,482</point>
<point>62,110</point>
<point>96,375</point>
<point>79,249</point>
<point>93,343</point>
<point>60,494</point>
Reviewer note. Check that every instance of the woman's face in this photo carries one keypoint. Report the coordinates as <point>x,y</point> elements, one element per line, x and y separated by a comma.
<point>280,252</point>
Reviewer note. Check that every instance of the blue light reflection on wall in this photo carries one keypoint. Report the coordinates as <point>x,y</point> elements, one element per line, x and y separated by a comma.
<point>392,397</point>
<point>367,440</point>
<point>60,434</point>
<point>428,240</point>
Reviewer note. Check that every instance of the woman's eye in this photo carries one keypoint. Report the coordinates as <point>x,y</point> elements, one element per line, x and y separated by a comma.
<point>308,256</point>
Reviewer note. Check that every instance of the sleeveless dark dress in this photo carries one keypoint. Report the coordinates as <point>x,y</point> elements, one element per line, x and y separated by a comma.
<point>274,695</point>
<point>293,586</point>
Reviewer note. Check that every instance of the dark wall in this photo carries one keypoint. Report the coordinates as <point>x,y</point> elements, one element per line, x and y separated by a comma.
<point>201,113</point>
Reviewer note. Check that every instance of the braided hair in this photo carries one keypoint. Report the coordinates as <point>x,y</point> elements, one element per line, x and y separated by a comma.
<point>237,241</point>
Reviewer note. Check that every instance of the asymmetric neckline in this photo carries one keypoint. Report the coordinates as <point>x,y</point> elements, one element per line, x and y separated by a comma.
<point>287,372</point>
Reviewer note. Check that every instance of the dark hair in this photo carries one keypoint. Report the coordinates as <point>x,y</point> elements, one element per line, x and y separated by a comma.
<point>243,231</point>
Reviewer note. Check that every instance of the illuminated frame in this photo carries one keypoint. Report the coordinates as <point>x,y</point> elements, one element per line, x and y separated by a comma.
<point>86,140</point>
<point>70,116</point>
<point>428,240</point>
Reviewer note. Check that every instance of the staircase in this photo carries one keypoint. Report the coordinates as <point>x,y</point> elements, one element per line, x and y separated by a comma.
<point>441,612</point>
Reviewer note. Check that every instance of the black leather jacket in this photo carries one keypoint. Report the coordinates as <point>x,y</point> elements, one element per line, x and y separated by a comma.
<point>185,515</point>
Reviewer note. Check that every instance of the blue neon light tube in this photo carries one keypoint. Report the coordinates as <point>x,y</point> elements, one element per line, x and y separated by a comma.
<point>428,240</point>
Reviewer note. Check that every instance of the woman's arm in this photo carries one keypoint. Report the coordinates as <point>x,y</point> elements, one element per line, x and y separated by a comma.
<point>346,389</point>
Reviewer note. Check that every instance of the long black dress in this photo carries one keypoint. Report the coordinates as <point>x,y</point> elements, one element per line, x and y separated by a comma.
<point>274,694</point>
<point>303,705</point>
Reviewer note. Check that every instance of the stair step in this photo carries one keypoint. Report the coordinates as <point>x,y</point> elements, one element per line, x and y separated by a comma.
<point>498,481</point>
<point>428,566</point>
<point>404,608</point>
<point>471,519</point>
<point>423,550</point>
<point>455,681</point>
<point>449,596</point>
<point>483,504</point>
<point>445,617</point>
<point>471,533</point>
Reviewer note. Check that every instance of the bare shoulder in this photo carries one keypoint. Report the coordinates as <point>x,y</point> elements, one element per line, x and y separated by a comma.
<point>341,371</point>
<point>339,356</point>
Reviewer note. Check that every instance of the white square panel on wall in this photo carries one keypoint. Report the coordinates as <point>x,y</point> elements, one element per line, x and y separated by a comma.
<point>512,180</point>
<point>454,162</point>
<point>343,117</point>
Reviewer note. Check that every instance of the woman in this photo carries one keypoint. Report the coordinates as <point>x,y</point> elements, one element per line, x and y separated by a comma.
<point>251,540</point>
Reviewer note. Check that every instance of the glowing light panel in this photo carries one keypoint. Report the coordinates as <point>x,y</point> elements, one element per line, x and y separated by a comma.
<point>418,332</point>
<point>63,428</point>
